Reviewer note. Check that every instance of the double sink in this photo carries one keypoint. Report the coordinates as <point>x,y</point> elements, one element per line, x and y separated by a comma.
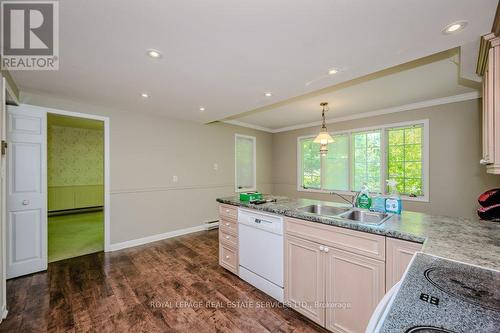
<point>352,214</point>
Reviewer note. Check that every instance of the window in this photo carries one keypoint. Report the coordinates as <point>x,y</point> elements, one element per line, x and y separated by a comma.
<point>404,158</point>
<point>245,164</point>
<point>366,160</point>
<point>311,164</point>
<point>357,157</point>
<point>337,164</point>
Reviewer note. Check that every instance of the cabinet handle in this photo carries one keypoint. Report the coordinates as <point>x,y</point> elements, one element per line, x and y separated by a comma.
<point>321,248</point>
<point>326,249</point>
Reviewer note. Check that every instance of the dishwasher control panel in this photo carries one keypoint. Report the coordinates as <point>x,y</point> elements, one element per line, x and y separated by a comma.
<point>269,222</point>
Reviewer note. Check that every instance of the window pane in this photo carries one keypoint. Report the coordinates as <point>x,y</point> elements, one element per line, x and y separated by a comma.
<point>366,160</point>
<point>245,173</point>
<point>337,164</point>
<point>404,158</point>
<point>311,163</point>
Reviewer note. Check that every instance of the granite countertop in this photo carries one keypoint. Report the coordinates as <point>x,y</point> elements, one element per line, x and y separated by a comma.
<point>466,240</point>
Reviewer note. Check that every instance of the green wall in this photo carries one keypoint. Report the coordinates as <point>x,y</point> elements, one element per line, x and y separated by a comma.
<point>75,156</point>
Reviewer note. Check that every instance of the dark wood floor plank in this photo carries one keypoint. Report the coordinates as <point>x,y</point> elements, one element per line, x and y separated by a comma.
<point>175,285</point>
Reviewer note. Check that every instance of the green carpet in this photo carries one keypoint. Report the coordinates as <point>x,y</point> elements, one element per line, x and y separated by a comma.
<point>74,235</point>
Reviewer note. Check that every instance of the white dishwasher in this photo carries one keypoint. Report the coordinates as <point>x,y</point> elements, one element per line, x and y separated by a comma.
<point>261,251</point>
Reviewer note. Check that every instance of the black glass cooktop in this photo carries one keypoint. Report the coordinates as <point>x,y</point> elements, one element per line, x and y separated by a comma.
<point>427,329</point>
<point>469,283</point>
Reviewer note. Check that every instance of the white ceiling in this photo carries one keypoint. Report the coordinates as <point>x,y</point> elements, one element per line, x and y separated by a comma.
<point>427,80</point>
<point>224,54</point>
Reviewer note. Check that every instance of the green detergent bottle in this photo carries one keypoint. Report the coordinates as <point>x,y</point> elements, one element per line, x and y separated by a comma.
<point>364,200</point>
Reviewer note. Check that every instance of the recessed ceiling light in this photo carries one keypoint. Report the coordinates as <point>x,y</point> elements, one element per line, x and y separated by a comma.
<point>268,94</point>
<point>202,108</point>
<point>154,53</point>
<point>333,71</point>
<point>144,95</point>
<point>454,27</point>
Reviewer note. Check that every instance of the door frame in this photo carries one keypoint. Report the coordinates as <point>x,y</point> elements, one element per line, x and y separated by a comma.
<point>107,195</point>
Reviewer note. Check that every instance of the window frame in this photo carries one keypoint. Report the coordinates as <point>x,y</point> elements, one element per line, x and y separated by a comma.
<point>254,166</point>
<point>383,159</point>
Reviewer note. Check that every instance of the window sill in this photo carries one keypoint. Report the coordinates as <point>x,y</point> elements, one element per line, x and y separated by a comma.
<point>349,193</point>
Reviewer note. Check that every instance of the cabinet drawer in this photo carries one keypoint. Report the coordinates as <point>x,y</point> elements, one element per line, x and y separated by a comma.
<point>363,243</point>
<point>230,212</point>
<point>228,226</point>
<point>227,238</point>
<point>228,258</point>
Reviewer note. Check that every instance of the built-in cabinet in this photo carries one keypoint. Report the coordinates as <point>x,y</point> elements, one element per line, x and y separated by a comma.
<point>489,68</point>
<point>399,254</point>
<point>228,238</point>
<point>334,276</point>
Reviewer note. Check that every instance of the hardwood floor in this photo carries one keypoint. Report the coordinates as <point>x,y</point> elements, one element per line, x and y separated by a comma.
<point>175,285</point>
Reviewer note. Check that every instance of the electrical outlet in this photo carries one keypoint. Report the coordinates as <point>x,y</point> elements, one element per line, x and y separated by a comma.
<point>175,179</point>
<point>216,166</point>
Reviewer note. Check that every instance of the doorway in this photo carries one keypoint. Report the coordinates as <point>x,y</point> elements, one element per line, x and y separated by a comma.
<point>27,188</point>
<point>75,186</point>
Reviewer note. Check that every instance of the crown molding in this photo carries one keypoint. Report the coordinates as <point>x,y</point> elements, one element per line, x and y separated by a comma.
<point>247,125</point>
<point>401,108</point>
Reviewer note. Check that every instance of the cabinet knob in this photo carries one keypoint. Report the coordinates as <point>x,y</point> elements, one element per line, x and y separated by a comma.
<point>326,249</point>
<point>25,202</point>
<point>227,257</point>
<point>321,248</point>
<point>227,224</point>
<point>227,237</point>
<point>227,210</point>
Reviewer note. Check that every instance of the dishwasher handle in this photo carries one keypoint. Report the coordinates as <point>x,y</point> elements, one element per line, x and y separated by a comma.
<point>259,221</point>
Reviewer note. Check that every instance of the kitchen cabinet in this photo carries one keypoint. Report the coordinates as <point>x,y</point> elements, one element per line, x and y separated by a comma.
<point>399,254</point>
<point>304,277</point>
<point>354,286</point>
<point>489,68</point>
<point>228,238</point>
<point>333,276</point>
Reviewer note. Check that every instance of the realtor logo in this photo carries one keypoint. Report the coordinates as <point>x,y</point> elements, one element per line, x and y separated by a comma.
<point>30,35</point>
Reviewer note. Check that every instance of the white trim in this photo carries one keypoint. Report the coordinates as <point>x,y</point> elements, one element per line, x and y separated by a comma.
<point>155,238</point>
<point>383,163</point>
<point>254,187</point>
<point>107,182</point>
<point>247,125</point>
<point>5,312</point>
<point>400,108</point>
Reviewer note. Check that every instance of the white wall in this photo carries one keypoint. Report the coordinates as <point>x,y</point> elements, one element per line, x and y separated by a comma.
<point>147,150</point>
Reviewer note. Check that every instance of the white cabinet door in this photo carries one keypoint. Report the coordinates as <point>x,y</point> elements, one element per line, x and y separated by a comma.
<point>26,191</point>
<point>354,286</point>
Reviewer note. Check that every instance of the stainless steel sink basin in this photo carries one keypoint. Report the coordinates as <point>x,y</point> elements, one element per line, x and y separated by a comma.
<point>366,216</point>
<point>324,210</point>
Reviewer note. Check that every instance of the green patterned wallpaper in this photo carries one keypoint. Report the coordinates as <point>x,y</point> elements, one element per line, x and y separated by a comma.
<point>75,156</point>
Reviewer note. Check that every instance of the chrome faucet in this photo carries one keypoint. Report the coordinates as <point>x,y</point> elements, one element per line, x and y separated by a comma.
<point>351,201</point>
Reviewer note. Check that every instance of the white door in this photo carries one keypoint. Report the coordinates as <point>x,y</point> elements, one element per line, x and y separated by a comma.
<point>26,191</point>
<point>3,207</point>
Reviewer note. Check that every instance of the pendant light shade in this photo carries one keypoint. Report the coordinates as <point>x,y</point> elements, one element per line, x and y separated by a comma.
<point>323,137</point>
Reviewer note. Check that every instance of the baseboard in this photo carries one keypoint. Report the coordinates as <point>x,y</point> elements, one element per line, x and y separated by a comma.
<point>155,238</point>
<point>4,312</point>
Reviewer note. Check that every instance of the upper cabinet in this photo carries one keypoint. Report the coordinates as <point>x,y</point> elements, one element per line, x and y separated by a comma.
<point>489,67</point>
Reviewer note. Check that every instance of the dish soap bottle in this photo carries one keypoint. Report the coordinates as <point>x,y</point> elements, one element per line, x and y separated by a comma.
<point>393,203</point>
<point>364,200</point>
<point>378,203</point>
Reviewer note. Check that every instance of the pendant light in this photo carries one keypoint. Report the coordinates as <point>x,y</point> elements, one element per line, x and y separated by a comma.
<point>323,137</point>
